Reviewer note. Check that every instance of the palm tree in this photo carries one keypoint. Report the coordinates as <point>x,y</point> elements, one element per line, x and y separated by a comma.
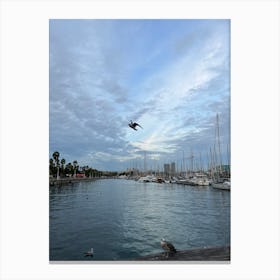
<point>69,168</point>
<point>75,167</point>
<point>51,167</point>
<point>56,159</point>
<point>62,165</point>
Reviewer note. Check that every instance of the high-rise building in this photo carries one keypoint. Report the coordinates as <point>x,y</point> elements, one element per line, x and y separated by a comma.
<point>172,168</point>
<point>166,168</point>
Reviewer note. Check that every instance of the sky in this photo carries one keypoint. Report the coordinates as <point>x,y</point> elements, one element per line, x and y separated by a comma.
<point>170,76</point>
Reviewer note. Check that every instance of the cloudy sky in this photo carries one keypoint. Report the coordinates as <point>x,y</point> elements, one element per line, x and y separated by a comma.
<point>170,76</point>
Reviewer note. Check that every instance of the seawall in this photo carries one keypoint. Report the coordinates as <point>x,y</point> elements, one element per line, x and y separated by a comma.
<point>197,254</point>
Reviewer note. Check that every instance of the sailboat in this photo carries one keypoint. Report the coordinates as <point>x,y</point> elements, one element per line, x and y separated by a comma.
<point>222,186</point>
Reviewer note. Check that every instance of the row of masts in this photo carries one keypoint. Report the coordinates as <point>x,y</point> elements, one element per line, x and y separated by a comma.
<point>187,165</point>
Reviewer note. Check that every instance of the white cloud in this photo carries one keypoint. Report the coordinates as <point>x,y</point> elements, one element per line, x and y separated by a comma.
<point>173,87</point>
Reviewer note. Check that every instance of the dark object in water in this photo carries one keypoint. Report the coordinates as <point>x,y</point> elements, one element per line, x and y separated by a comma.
<point>89,253</point>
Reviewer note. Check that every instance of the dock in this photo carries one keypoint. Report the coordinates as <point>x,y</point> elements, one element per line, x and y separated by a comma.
<point>197,254</point>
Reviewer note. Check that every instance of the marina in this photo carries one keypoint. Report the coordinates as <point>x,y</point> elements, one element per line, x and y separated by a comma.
<point>139,151</point>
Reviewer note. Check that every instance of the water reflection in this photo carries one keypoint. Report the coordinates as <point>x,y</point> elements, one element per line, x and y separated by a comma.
<point>123,219</point>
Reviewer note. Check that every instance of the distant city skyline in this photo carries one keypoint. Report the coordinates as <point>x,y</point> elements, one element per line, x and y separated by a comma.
<point>170,76</point>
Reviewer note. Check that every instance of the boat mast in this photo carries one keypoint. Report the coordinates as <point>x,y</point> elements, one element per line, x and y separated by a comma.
<point>184,170</point>
<point>228,159</point>
<point>219,144</point>
<point>145,163</point>
<point>212,164</point>
<point>192,163</point>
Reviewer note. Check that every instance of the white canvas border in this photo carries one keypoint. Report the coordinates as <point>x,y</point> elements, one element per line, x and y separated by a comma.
<point>254,131</point>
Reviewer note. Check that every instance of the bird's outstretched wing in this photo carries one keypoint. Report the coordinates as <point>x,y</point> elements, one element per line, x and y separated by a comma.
<point>138,125</point>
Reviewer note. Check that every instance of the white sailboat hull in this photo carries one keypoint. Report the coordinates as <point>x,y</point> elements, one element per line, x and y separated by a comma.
<point>222,186</point>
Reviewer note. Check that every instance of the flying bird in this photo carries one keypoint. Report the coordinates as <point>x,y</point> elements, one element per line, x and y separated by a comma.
<point>133,125</point>
<point>89,253</point>
<point>167,246</point>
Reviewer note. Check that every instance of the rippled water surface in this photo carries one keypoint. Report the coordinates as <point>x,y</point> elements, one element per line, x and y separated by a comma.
<point>124,219</point>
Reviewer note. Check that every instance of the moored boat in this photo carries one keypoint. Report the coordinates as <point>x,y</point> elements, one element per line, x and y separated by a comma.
<point>222,186</point>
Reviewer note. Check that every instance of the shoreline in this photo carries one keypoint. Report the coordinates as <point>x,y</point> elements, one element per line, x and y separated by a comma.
<point>72,180</point>
<point>68,181</point>
<point>214,254</point>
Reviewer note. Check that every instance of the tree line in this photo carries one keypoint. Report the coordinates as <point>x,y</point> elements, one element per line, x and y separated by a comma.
<point>58,168</point>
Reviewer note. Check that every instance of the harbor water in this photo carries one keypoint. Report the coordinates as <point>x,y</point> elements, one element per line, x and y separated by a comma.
<point>125,219</point>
